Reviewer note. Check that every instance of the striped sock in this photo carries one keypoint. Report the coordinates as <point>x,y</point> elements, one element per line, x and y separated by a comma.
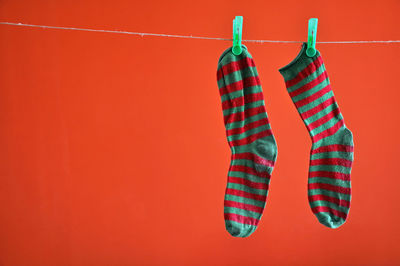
<point>329,187</point>
<point>251,141</point>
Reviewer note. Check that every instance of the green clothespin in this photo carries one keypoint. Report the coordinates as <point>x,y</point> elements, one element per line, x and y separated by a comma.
<point>312,37</point>
<point>237,35</point>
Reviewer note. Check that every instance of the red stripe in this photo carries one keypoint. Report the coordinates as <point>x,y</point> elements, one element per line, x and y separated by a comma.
<point>319,209</point>
<point>248,170</point>
<point>247,183</point>
<point>332,161</point>
<point>314,96</point>
<point>335,112</point>
<point>339,202</point>
<point>240,116</point>
<point>309,85</point>
<point>334,175</point>
<point>240,219</point>
<point>311,68</point>
<point>251,138</point>
<point>318,108</point>
<point>240,101</point>
<point>243,206</point>
<point>253,157</point>
<point>255,124</point>
<point>328,132</point>
<point>343,190</point>
<point>235,66</point>
<point>238,85</point>
<point>244,194</point>
<point>333,147</point>
<point>231,103</point>
<point>253,97</point>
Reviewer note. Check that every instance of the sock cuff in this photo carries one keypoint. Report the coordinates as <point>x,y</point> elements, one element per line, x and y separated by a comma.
<point>291,70</point>
<point>229,56</point>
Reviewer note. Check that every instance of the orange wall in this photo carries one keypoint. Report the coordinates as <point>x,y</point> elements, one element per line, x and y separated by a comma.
<point>113,148</point>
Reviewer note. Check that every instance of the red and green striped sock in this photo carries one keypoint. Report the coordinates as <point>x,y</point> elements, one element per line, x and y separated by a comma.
<point>251,141</point>
<point>329,187</point>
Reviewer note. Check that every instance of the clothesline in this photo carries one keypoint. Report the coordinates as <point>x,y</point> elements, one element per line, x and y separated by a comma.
<point>183,36</point>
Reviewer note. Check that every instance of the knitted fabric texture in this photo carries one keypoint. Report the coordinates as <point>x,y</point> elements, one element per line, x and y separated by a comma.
<point>331,158</point>
<point>250,138</point>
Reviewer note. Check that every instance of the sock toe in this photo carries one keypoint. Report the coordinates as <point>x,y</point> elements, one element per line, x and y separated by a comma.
<point>330,221</point>
<point>239,230</point>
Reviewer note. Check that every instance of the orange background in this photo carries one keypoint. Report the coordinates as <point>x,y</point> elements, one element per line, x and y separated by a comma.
<point>113,148</point>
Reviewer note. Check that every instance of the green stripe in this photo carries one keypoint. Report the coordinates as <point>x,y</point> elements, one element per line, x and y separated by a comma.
<point>311,91</point>
<point>332,154</point>
<point>321,113</point>
<point>230,57</point>
<point>245,200</point>
<point>240,93</point>
<point>249,132</point>
<point>242,69</point>
<point>246,106</point>
<point>330,181</point>
<point>316,102</point>
<point>322,169</point>
<point>237,76</point>
<point>252,164</point>
<point>232,95</point>
<point>329,204</point>
<point>250,177</point>
<point>330,123</point>
<point>242,212</point>
<point>246,121</point>
<point>307,79</point>
<point>221,83</point>
<point>261,192</point>
<point>330,168</point>
<point>333,194</point>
